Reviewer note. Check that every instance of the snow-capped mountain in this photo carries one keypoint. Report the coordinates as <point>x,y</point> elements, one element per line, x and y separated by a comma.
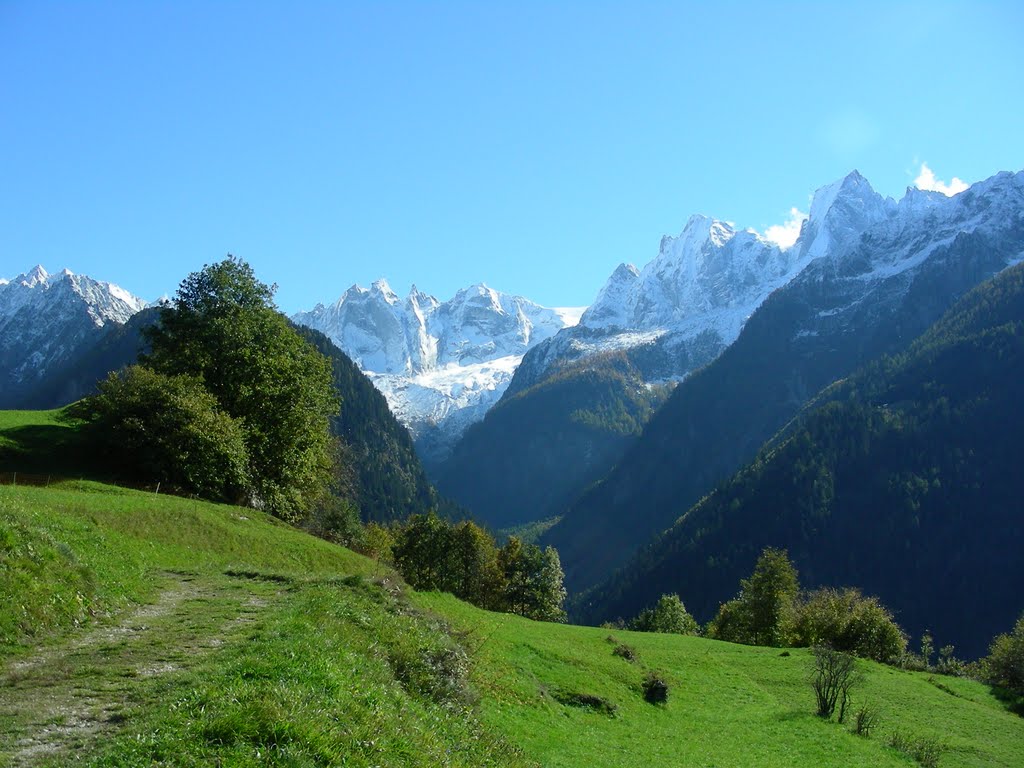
<point>46,319</point>
<point>441,365</point>
<point>866,274</point>
<point>881,272</point>
<point>691,301</point>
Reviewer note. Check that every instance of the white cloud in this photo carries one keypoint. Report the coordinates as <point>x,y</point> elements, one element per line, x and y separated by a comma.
<point>785,235</point>
<point>926,180</point>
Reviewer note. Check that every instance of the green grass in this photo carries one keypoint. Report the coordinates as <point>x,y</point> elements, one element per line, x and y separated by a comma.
<point>76,550</point>
<point>146,630</point>
<point>728,705</point>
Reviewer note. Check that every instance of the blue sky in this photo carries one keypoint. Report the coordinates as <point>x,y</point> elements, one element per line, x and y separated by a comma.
<point>530,145</point>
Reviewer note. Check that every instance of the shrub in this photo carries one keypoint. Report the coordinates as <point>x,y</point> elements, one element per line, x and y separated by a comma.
<point>833,675</point>
<point>655,688</point>
<point>847,621</point>
<point>668,615</point>
<point>864,721</point>
<point>624,651</point>
<point>169,429</point>
<point>1004,665</point>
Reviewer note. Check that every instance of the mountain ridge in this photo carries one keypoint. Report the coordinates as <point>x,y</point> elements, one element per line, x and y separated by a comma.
<point>868,295</point>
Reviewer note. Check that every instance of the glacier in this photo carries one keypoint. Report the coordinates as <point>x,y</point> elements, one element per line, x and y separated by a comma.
<point>441,365</point>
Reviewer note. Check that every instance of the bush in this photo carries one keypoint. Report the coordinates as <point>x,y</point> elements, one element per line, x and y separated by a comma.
<point>1004,665</point>
<point>655,688</point>
<point>624,651</point>
<point>864,721</point>
<point>168,429</point>
<point>847,621</point>
<point>668,615</point>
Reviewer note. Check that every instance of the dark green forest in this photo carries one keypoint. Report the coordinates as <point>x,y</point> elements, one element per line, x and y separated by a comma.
<point>902,480</point>
<point>719,418</point>
<point>535,450</point>
<point>387,481</point>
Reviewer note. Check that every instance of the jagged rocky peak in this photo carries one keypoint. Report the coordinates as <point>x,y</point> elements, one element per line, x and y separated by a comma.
<point>380,288</point>
<point>386,335</point>
<point>840,212</point>
<point>41,292</point>
<point>437,362</point>
<point>45,320</point>
<point>35,276</point>
<point>612,307</point>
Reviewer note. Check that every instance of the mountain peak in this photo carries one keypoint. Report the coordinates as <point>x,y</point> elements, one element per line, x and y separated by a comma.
<point>625,272</point>
<point>851,187</point>
<point>701,229</point>
<point>380,287</point>
<point>841,210</point>
<point>35,276</point>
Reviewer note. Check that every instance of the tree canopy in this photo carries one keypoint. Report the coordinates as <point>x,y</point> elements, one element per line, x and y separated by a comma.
<point>169,429</point>
<point>224,360</point>
<point>668,615</point>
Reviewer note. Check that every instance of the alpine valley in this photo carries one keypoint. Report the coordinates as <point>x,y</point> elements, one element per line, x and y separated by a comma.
<point>811,445</point>
<point>607,424</point>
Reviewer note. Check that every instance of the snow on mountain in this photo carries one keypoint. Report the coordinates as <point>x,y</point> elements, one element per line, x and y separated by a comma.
<point>441,365</point>
<point>986,222</point>
<point>691,301</point>
<point>45,319</point>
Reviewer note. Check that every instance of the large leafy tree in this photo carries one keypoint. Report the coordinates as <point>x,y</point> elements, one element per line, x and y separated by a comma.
<point>223,328</point>
<point>534,579</point>
<point>168,429</point>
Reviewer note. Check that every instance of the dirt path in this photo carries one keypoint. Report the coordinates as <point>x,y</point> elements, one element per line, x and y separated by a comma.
<point>62,698</point>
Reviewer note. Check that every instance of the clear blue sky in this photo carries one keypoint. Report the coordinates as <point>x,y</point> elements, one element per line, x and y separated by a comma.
<point>530,145</point>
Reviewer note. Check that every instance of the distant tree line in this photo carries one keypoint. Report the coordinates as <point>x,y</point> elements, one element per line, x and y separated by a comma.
<point>770,609</point>
<point>432,553</point>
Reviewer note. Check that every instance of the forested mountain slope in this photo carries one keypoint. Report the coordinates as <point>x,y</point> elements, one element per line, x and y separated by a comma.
<point>903,480</point>
<point>534,450</point>
<point>390,482</point>
<point>870,297</point>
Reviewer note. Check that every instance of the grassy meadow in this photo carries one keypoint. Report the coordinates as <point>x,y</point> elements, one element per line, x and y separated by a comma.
<point>146,630</point>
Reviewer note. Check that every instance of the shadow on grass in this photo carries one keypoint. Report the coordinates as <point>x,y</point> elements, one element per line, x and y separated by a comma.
<point>1013,701</point>
<point>57,449</point>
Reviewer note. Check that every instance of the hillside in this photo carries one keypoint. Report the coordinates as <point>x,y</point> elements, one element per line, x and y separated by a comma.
<point>871,295</point>
<point>902,479</point>
<point>161,631</point>
<point>532,452</point>
<point>388,481</point>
